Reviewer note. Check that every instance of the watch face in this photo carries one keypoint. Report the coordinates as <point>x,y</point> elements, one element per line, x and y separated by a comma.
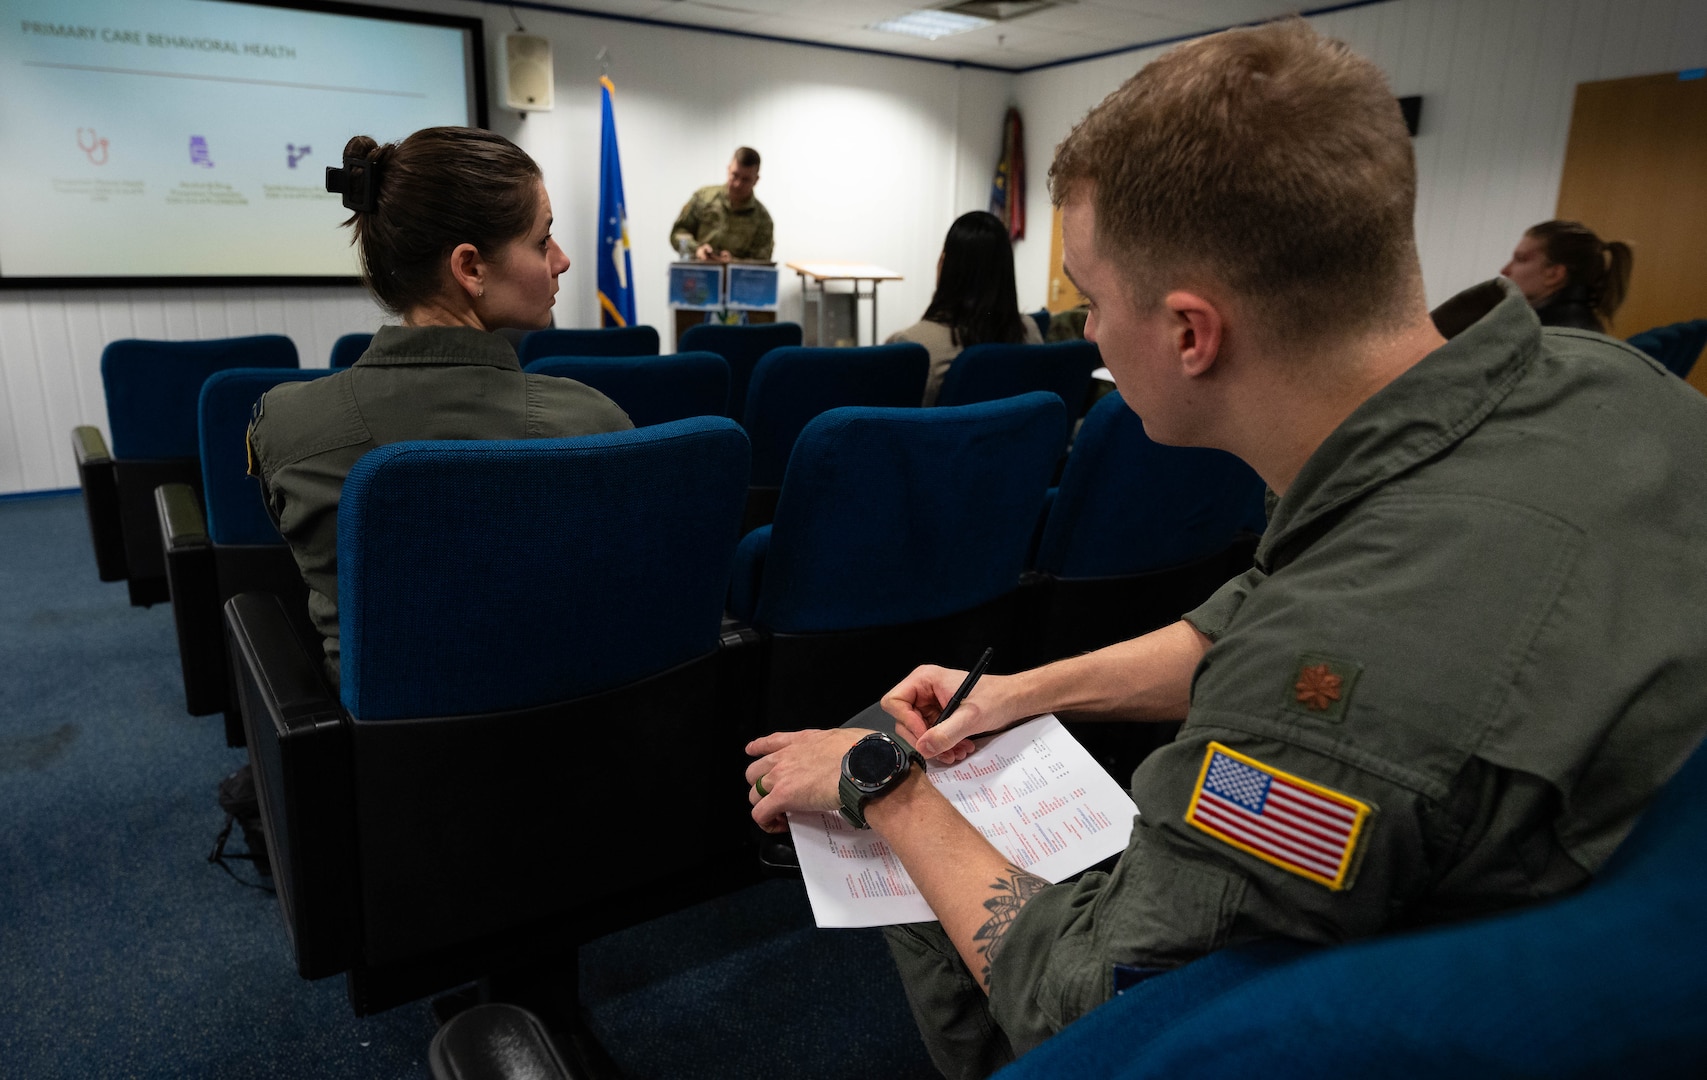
<point>873,761</point>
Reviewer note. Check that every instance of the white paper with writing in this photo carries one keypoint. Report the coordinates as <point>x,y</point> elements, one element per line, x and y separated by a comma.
<point>1034,793</point>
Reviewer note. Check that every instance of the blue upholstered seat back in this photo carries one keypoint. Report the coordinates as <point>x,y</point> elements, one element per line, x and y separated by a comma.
<point>152,388</point>
<point>1603,983</point>
<point>349,348</point>
<point>1127,505</point>
<point>235,512</point>
<point>501,574</point>
<point>900,515</point>
<point>988,372</point>
<point>742,347</point>
<point>791,386</point>
<point>1677,346</point>
<point>612,341</point>
<point>650,389</point>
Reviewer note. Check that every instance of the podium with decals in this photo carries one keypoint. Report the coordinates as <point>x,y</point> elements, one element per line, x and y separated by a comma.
<point>734,292</point>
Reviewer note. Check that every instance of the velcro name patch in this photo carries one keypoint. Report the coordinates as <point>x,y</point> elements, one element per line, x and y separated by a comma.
<point>1282,819</point>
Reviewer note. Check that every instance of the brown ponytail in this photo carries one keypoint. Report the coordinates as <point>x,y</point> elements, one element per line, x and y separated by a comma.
<point>438,188</point>
<point>1616,284</point>
<point>1599,272</point>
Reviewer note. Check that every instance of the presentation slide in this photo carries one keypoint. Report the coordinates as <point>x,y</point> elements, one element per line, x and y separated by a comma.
<point>190,138</point>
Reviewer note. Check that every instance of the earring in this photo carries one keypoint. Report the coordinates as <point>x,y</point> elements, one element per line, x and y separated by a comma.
<point>481,293</point>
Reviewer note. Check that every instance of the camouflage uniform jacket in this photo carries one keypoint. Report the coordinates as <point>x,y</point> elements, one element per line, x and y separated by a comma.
<point>709,219</point>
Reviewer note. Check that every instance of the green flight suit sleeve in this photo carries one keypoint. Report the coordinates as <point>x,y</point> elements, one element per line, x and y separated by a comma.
<point>1352,672</point>
<point>1179,893</point>
<point>1212,617</point>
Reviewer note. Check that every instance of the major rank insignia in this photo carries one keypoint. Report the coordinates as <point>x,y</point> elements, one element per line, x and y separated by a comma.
<point>1285,820</point>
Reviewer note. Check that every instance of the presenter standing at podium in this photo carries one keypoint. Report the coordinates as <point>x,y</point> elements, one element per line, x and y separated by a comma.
<point>724,221</point>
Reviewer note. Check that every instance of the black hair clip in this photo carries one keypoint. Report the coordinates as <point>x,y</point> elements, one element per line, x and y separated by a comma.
<point>357,181</point>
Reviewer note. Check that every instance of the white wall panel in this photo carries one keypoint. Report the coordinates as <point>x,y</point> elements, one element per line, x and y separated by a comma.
<point>1497,79</point>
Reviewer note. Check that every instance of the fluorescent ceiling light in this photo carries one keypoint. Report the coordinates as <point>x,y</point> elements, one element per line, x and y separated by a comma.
<point>930,24</point>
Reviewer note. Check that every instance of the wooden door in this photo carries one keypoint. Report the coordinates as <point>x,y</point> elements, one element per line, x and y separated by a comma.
<point>1062,293</point>
<point>1636,171</point>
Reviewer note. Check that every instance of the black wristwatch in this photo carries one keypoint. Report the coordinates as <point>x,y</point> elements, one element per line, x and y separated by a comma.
<point>871,767</point>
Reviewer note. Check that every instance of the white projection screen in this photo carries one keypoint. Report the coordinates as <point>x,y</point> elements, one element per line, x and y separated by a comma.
<point>186,141</point>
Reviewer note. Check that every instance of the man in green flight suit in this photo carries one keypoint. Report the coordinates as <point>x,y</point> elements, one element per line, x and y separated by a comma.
<point>724,221</point>
<point>1470,650</point>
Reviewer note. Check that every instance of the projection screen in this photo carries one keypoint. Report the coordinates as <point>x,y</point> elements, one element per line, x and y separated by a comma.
<point>186,141</point>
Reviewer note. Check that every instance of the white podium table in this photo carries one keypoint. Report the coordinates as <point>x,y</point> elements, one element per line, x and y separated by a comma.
<point>814,276</point>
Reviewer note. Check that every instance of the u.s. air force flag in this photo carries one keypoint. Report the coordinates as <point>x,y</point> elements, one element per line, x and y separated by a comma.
<point>616,271</point>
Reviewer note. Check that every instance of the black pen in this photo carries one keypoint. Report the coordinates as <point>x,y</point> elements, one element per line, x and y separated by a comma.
<point>966,686</point>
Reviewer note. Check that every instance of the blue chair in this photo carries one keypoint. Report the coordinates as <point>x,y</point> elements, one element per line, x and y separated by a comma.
<point>742,346</point>
<point>1042,318</point>
<point>1605,982</point>
<point>1676,346</point>
<point>988,372</point>
<point>650,389</point>
<point>899,539</point>
<point>1136,535</point>
<point>792,386</point>
<point>611,341</point>
<point>348,349</point>
<point>151,389</point>
<point>1128,509</point>
<point>224,543</point>
<point>516,618</point>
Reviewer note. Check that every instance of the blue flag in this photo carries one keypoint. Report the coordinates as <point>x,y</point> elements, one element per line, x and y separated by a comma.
<point>616,270</point>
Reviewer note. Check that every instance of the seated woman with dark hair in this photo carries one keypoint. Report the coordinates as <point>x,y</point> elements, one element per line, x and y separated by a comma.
<point>454,230</point>
<point>975,302</point>
<point>1569,275</point>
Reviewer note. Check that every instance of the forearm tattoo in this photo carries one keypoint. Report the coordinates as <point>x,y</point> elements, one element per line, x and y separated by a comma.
<point>1012,892</point>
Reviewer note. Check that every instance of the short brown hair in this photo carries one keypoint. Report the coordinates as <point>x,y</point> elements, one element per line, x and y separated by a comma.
<point>746,157</point>
<point>1270,159</point>
<point>438,188</point>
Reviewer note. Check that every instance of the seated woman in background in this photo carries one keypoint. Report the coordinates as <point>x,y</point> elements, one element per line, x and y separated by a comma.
<point>1569,276</point>
<point>454,230</point>
<point>975,302</point>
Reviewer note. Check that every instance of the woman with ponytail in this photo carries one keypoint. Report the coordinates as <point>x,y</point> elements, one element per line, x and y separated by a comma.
<point>453,227</point>
<point>1569,275</point>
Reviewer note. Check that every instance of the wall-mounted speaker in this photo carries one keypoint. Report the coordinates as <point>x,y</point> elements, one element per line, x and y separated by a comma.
<point>529,85</point>
<point>1412,109</point>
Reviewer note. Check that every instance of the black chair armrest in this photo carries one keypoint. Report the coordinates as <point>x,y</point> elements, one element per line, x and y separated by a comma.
<point>740,681</point>
<point>182,524</point>
<point>96,475</point>
<point>194,584</point>
<point>90,445</point>
<point>299,745</point>
<point>496,1041</point>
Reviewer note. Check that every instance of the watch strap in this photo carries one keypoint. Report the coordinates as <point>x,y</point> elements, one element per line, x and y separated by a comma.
<point>853,804</point>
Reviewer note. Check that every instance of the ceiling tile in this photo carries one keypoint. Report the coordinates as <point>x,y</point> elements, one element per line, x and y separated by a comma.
<point>1065,32</point>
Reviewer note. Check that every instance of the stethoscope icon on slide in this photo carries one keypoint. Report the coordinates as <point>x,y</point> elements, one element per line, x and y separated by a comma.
<point>92,146</point>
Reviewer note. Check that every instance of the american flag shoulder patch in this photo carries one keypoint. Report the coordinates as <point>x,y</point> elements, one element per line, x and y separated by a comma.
<point>1282,819</point>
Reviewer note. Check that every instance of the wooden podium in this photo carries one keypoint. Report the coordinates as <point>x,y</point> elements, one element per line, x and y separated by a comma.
<point>740,291</point>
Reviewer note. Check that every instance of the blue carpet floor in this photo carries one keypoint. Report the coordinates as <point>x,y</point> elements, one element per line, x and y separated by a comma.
<point>124,953</point>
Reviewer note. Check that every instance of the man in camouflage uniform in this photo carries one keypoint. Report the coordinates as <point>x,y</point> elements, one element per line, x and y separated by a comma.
<point>1470,650</point>
<point>724,221</point>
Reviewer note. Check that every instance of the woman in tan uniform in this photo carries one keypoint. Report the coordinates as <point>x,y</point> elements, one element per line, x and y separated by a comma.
<point>975,302</point>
